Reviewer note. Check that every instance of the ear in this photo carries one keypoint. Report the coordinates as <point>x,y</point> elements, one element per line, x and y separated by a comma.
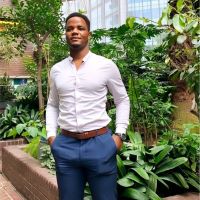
<point>90,35</point>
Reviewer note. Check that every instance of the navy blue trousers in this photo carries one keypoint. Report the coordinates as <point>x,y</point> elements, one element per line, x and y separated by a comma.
<point>80,161</point>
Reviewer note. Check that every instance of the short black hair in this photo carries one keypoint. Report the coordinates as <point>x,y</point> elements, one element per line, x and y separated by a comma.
<point>76,14</point>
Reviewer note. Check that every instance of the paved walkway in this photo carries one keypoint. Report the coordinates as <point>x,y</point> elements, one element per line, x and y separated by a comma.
<point>7,191</point>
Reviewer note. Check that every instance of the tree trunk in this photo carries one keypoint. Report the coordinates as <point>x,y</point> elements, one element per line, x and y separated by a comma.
<point>39,82</point>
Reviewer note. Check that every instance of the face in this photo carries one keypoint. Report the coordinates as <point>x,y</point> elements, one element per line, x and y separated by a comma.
<point>77,33</point>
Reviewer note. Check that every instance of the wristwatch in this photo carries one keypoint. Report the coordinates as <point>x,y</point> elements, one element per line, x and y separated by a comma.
<point>121,135</point>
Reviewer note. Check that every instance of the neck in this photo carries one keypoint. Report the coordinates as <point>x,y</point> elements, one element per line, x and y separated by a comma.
<point>79,54</point>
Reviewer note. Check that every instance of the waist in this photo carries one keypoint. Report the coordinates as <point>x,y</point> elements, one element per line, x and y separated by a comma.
<point>86,134</point>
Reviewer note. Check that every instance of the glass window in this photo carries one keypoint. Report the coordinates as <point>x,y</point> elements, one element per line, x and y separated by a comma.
<point>108,22</point>
<point>146,8</point>
<point>19,81</point>
<point>94,3</point>
<point>108,7</point>
<point>115,20</point>
<point>96,16</point>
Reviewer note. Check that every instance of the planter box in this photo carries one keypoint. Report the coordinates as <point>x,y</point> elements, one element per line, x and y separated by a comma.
<point>27,175</point>
<point>4,143</point>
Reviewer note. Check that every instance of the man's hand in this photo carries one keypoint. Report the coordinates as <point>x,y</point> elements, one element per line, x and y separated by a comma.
<point>51,139</point>
<point>118,141</point>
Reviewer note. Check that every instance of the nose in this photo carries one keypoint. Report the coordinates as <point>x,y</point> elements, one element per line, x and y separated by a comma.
<point>75,31</point>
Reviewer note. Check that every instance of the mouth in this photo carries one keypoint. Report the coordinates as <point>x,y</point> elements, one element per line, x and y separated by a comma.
<point>75,38</point>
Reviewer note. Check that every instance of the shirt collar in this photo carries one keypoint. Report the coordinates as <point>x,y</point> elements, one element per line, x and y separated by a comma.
<point>84,59</point>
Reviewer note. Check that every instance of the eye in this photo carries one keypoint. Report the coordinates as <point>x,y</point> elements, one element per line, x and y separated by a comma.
<point>81,28</point>
<point>68,29</point>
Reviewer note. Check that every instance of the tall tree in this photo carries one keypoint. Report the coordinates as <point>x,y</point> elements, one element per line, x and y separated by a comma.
<point>34,21</point>
<point>181,20</point>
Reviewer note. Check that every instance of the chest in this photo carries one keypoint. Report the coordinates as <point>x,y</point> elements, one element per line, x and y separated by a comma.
<point>85,80</point>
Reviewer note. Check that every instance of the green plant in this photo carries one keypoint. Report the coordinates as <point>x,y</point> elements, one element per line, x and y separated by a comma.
<point>8,48</point>
<point>142,170</point>
<point>46,158</point>
<point>26,94</point>
<point>185,144</point>
<point>145,70</point>
<point>19,121</point>
<point>180,19</point>
<point>6,90</point>
<point>34,21</point>
<point>151,106</point>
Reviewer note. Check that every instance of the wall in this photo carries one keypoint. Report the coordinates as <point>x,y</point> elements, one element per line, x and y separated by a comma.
<point>27,176</point>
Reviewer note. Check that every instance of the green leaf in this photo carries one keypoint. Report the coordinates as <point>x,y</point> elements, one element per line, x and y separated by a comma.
<point>12,133</point>
<point>32,114</point>
<point>171,164</point>
<point>43,133</point>
<point>177,23</point>
<point>141,189</point>
<point>156,149</point>
<point>191,174</point>
<point>193,183</point>
<point>133,177</point>
<point>135,137</point>
<point>33,147</point>
<point>138,138</point>
<point>121,167</point>
<point>20,128</point>
<point>152,195</point>
<point>125,182</point>
<point>152,183</point>
<point>164,18</point>
<point>192,25</point>
<point>25,134</point>
<point>131,136</point>
<point>131,152</point>
<point>193,166</point>
<point>134,194</point>
<point>141,172</point>
<point>159,179</point>
<point>181,180</point>
<point>162,154</point>
<point>171,179</point>
<point>181,39</point>
<point>33,131</point>
<point>128,163</point>
<point>180,5</point>
<point>130,22</point>
<point>145,20</point>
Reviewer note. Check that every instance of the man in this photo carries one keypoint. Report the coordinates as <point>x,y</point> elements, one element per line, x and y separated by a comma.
<point>85,151</point>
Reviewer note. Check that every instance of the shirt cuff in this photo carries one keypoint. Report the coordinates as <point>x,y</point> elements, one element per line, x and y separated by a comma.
<point>120,130</point>
<point>50,134</point>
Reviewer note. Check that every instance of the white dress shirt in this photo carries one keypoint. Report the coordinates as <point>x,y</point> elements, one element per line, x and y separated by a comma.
<point>77,99</point>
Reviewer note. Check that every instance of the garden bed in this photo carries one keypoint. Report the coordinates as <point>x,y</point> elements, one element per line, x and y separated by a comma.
<point>9,142</point>
<point>27,175</point>
<point>35,182</point>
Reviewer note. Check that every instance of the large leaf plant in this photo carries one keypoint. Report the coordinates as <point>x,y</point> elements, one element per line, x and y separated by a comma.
<point>143,171</point>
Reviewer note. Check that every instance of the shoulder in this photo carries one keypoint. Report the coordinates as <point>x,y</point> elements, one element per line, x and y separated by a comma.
<point>103,60</point>
<point>59,66</point>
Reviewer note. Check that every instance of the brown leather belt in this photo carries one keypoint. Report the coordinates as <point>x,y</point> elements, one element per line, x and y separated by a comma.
<point>86,134</point>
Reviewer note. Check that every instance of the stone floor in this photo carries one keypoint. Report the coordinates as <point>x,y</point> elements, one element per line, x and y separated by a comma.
<point>7,191</point>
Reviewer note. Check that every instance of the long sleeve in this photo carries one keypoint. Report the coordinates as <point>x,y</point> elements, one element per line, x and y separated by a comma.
<point>121,99</point>
<point>52,110</point>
